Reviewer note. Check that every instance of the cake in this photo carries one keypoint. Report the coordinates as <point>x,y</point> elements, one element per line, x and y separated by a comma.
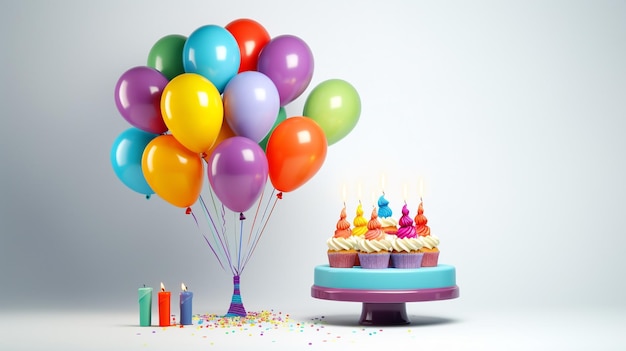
<point>373,247</point>
<point>430,242</point>
<point>406,245</point>
<point>341,246</point>
<point>385,216</point>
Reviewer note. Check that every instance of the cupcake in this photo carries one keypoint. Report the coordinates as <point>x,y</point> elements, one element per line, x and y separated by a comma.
<point>389,224</point>
<point>373,248</point>
<point>405,247</point>
<point>359,229</point>
<point>430,242</point>
<point>341,246</point>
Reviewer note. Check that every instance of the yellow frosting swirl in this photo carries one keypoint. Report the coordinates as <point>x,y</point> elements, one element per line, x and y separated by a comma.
<point>360,223</point>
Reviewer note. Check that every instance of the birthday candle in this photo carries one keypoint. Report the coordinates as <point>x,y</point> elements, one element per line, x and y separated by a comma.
<point>145,306</point>
<point>164,307</point>
<point>186,298</point>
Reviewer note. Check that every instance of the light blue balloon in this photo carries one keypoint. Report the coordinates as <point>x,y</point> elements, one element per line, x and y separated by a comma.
<point>126,155</point>
<point>251,104</point>
<point>212,52</point>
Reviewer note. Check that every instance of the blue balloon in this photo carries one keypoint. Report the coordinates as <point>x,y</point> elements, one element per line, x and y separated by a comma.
<point>212,52</point>
<point>126,155</point>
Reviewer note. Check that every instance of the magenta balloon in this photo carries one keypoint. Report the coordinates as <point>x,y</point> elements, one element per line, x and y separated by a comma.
<point>288,61</point>
<point>251,104</point>
<point>238,171</point>
<point>138,98</point>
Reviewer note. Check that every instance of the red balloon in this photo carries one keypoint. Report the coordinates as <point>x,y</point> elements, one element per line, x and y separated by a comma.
<point>251,37</point>
<point>295,152</point>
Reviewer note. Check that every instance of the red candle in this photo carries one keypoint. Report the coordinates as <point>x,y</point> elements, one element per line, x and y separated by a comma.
<point>164,307</point>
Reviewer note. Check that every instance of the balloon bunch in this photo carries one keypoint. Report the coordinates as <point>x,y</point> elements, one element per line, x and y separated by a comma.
<point>218,97</point>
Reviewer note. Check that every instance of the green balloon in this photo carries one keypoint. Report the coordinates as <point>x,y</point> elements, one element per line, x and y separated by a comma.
<point>282,115</point>
<point>166,55</point>
<point>336,106</point>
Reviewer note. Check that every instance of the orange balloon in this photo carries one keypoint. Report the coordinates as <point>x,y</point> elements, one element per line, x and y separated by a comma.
<point>224,134</point>
<point>295,151</point>
<point>172,171</point>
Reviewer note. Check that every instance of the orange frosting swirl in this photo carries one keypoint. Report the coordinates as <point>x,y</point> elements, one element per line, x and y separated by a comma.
<point>343,226</point>
<point>421,222</point>
<point>374,231</point>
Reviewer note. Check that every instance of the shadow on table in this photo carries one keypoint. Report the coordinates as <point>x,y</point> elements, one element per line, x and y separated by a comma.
<point>353,321</point>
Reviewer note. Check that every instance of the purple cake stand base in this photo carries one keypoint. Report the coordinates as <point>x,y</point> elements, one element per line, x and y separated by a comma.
<point>384,307</point>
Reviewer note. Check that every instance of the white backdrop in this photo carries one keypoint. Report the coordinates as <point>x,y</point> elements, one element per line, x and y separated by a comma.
<point>512,112</point>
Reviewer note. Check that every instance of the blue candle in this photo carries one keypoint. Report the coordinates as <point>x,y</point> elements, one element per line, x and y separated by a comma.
<point>186,298</point>
<point>145,306</point>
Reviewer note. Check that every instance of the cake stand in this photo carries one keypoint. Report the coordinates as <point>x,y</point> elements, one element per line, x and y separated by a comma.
<point>385,292</point>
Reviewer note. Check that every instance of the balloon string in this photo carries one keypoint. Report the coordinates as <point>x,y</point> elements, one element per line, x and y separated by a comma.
<point>262,229</point>
<point>239,269</point>
<point>249,248</point>
<point>189,211</point>
<point>216,236</point>
<point>256,214</point>
<point>224,237</point>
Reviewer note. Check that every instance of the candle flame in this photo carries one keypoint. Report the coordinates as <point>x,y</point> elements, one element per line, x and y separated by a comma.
<point>162,287</point>
<point>183,287</point>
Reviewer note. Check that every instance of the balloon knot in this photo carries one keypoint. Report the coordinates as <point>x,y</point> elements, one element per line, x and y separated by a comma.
<point>279,195</point>
<point>147,196</point>
<point>188,210</point>
<point>241,216</point>
<point>203,155</point>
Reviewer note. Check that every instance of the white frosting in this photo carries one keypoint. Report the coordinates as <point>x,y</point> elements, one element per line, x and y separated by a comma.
<point>368,246</point>
<point>430,241</point>
<point>340,244</point>
<point>388,222</point>
<point>406,244</point>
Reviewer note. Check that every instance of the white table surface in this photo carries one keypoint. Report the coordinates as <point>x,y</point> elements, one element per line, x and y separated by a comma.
<point>434,326</point>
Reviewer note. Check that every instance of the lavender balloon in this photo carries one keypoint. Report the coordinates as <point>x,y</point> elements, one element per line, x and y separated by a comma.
<point>288,61</point>
<point>138,98</point>
<point>251,104</point>
<point>238,172</point>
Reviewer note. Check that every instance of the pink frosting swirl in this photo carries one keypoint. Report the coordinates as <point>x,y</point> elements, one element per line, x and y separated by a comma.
<point>406,230</point>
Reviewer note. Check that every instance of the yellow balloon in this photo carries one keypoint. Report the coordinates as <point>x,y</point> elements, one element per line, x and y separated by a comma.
<point>172,171</point>
<point>193,111</point>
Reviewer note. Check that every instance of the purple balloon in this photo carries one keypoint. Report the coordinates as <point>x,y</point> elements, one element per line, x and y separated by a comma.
<point>238,171</point>
<point>288,61</point>
<point>251,104</point>
<point>138,98</point>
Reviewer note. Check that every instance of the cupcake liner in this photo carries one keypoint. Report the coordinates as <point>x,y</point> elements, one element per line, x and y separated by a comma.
<point>407,260</point>
<point>430,259</point>
<point>374,260</point>
<point>340,259</point>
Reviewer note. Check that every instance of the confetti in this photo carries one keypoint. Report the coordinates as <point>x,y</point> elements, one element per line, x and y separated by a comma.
<point>267,323</point>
